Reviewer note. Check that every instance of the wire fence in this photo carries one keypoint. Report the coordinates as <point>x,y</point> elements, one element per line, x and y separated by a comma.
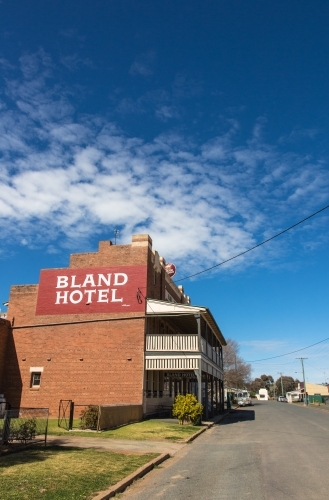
<point>23,426</point>
<point>72,416</point>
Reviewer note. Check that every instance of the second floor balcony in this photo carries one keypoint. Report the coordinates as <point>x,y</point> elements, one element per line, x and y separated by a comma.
<point>182,344</point>
<point>178,330</point>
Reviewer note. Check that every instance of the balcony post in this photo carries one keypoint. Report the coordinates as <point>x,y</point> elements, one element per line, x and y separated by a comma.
<point>198,372</point>
<point>222,397</point>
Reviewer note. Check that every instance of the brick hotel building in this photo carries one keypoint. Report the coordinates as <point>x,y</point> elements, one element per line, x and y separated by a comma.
<point>112,328</point>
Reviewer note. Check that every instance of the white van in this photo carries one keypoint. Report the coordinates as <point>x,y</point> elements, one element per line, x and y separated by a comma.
<point>243,398</point>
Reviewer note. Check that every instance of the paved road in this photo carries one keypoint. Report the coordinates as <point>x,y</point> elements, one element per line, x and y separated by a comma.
<point>269,451</point>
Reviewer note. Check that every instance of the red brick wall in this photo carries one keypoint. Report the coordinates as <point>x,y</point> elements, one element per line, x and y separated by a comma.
<point>4,332</point>
<point>115,255</point>
<point>85,359</point>
<point>88,363</point>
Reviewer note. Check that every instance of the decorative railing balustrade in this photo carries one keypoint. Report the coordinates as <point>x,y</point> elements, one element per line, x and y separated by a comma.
<point>211,353</point>
<point>179,343</point>
<point>172,343</point>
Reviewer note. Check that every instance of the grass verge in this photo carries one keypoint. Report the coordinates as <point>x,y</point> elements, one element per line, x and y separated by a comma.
<point>155,430</point>
<point>58,473</point>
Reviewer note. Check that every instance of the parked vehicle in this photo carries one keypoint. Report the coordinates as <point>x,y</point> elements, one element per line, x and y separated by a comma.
<point>243,398</point>
<point>282,399</point>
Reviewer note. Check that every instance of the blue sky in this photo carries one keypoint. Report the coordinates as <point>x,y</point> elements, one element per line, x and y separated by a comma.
<point>204,124</point>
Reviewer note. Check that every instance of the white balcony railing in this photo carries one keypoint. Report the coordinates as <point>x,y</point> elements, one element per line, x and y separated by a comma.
<point>211,353</point>
<point>172,343</point>
<point>178,343</point>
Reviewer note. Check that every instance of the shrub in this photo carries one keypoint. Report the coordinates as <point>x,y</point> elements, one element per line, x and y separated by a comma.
<point>89,417</point>
<point>26,431</point>
<point>187,409</point>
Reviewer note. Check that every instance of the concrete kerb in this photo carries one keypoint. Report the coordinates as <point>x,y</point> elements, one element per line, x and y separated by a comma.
<point>122,485</point>
<point>207,425</point>
<point>127,481</point>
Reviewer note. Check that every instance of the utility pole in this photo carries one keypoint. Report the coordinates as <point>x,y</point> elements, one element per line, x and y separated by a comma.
<point>274,389</point>
<point>280,373</point>
<point>236,373</point>
<point>116,232</point>
<point>305,397</point>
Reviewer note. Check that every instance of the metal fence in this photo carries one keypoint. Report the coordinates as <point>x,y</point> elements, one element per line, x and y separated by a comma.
<point>71,415</point>
<point>65,414</point>
<point>24,426</point>
<point>318,398</point>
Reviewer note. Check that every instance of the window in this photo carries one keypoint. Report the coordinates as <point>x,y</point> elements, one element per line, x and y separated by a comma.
<point>35,379</point>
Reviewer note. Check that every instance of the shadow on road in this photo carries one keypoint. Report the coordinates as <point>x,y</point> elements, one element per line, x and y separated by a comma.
<point>238,416</point>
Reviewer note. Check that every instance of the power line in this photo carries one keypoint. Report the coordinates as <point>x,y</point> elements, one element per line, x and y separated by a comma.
<point>318,369</point>
<point>287,353</point>
<point>276,364</point>
<point>253,248</point>
<point>323,350</point>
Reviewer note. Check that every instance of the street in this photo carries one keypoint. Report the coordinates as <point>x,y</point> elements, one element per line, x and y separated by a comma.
<point>268,451</point>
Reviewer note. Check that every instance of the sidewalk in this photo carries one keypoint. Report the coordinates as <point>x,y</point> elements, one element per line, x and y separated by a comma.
<point>131,446</point>
<point>321,407</point>
<point>119,445</point>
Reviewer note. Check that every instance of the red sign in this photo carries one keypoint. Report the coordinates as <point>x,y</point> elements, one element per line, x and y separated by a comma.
<point>170,269</point>
<point>92,290</point>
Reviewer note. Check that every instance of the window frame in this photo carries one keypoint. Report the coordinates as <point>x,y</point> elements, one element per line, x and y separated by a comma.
<point>33,385</point>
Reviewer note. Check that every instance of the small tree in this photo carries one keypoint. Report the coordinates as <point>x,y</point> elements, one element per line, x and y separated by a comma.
<point>236,371</point>
<point>187,409</point>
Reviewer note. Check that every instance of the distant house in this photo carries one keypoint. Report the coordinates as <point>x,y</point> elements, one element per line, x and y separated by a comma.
<point>314,389</point>
<point>315,393</point>
<point>294,396</point>
<point>262,395</point>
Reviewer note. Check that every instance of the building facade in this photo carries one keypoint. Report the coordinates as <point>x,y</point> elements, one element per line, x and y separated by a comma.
<point>313,389</point>
<point>262,395</point>
<point>112,328</point>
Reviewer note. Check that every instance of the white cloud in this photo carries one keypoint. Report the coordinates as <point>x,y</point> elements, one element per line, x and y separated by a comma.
<point>64,179</point>
<point>73,62</point>
<point>264,345</point>
<point>166,112</point>
<point>143,64</point>
<point>51,249</point>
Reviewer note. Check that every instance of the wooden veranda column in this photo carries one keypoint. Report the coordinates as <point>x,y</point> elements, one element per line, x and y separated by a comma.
<point>222,396</point>
<point>198,372</point>
<point>212,396</point>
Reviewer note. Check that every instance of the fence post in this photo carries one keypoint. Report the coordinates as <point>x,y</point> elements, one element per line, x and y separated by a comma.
<point>71,415</point>
<point>59,413</point>
<point>6,428</point>
<point>46,429</point>
<point>99,417</point>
